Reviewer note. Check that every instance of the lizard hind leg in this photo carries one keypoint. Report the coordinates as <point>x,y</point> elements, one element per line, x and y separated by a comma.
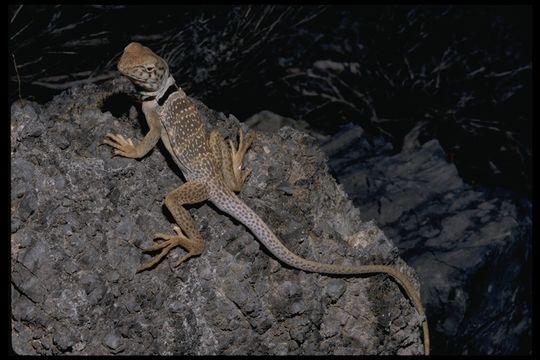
<point>187,235</point>
<point>230,158</point>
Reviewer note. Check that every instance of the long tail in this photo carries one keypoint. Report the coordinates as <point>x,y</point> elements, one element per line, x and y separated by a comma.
<point>228,202</point>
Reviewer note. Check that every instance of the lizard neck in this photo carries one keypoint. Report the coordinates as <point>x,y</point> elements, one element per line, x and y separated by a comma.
<point>164,89</point>
<point>171,89</point>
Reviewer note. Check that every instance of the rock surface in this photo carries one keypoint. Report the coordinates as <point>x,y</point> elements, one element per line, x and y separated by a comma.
<point>80,218</point>
<point>471,246</point>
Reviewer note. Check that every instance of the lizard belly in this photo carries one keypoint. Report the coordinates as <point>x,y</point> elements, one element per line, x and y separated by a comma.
<point>167,143</point>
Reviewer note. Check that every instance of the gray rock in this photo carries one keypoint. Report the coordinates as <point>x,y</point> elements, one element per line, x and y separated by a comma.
<point>113,340</point>
<point>94,213</point>
<point>30,122</point>
<point>268,121</point>
<point>65,339</point>
<point>470,245</point>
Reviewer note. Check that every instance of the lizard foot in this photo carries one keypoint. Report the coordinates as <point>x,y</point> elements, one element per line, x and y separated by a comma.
<point>238,155</point>
<point>122,146</point>
<point>171,241</point>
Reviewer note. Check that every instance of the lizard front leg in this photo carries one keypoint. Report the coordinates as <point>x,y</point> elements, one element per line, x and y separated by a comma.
<point>230,158</point>
<point>188,236</point>
<point>125,147</point>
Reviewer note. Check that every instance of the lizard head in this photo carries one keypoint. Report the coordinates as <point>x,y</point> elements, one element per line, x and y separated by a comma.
<point>143,67</point>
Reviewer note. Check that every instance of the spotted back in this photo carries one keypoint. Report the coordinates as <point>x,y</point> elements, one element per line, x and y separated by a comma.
<point>187,136</point>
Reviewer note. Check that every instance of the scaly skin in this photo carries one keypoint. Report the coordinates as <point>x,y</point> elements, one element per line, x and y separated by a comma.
<point>213,171</point>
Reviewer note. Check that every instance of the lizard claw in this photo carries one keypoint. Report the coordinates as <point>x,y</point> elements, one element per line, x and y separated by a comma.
<point>122,146</point>
<point>239,153</point>
<point>171,241</point>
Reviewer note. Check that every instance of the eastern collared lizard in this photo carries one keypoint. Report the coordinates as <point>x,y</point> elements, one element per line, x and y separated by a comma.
<point>212,169</point>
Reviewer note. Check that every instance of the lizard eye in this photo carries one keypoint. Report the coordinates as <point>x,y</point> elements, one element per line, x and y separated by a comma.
<point>150,68</point>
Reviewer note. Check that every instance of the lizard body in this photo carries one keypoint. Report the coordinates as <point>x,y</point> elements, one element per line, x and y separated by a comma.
<point>213,171</point>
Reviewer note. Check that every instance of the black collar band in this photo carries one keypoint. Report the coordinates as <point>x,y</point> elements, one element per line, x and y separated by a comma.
<point>170,90</point>
<point>161,100</point>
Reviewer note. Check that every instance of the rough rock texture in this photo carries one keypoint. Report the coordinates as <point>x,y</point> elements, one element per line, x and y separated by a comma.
<point>81,216</point>
<point>471,246</point>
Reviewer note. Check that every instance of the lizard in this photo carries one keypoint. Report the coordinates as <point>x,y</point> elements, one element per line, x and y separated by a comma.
<point>213,172</point>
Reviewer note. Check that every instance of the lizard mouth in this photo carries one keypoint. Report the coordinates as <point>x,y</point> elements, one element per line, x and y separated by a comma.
<point>140,82</point>
<point>125,70</point>
<point>134,78</point>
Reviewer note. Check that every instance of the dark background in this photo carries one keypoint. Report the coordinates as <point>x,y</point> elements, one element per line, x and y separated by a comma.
<point>463,71</point>
<point>462,74</point>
